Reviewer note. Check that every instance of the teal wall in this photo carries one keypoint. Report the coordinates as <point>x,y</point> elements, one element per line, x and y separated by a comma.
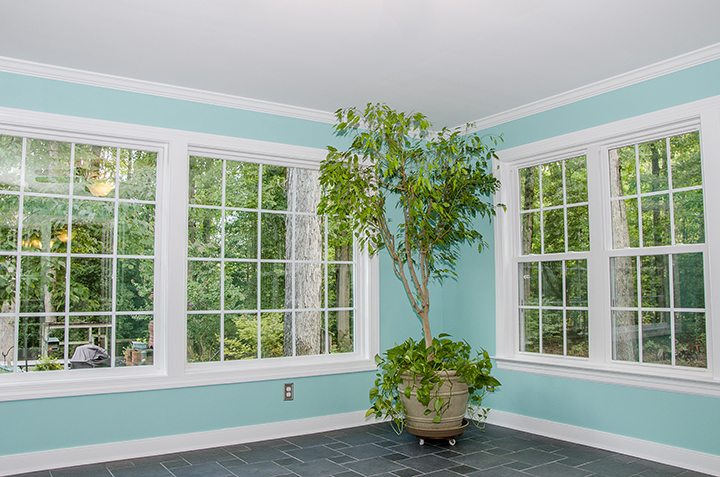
<point>464,308</point>
<point>682,420</point>
<point>42,424</point>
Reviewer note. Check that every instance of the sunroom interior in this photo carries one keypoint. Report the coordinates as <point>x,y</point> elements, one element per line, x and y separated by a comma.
<point>172,303</point>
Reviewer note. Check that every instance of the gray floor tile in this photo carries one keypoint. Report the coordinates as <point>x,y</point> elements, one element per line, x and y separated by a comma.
<point>307,454</point>
<point>534,457</point>
<point>373,466</point>
<point>406,472</point>
<point>261,469</point>
<point>483,460</point>
<point>557,470</point>
<point>94,470</point>
<point>428,463</point>
<point>316,468</point>
<point>263,454</point>
<point>366,451</point>
<point>207,469</point>
<point>146,470</point>
<point>498,472</point>
<point>311,440</point>
<point>613,468</point>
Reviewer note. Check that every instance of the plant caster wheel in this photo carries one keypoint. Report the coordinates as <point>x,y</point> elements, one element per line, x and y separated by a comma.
<point>452,442</point>
<point>422,441</point>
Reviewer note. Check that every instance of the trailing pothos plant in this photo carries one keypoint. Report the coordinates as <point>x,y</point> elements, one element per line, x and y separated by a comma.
<point>421,368</point>
<point>439,183</point>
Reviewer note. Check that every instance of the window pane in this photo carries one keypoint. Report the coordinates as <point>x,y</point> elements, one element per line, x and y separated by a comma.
<point>203,338</point>
<point>93,224</point>
<point>240,286</point>
<point>552,184</point>
<point>689,216</point>
<point>622,171</point>
<point>41,343</point>
<point>308,238</point>
<point>135,284</point>
<point>576,283</point>
<point>45,224</point>
<point>205,181</point>
<point>8,268</point>
<point>578,229</point>
<point>272,335</point>
<point>306,184</point>
<point>309,290</point>
<point>7,344</point>
<point>688,280</point>
<point>577,333</point>
<point>530,233</point>
<point>274,237</point>
<point>656,220</point>
<point>656,337</point>
<point>653,166</point>
<point>625,335</point>
<point>576,180</point>
<point>84,333</point>
<point>91,284</point>
<point>530,331</point>
<point>10,158</point>
<point>554,230</point>
<point>42,284</point>
<point>309,332</point>
<point>134,340</point>
<point>552,284</point>
<point>203,289</point>
<point>690,340</point>
<point>655,282</point>
<point>241,336</point>
<point>274,188</point>
<point>623,281</point>
<point>340,240</point>
<point>552,331</point>
<point>136,229</point>
<point>204,232</point>
<point>530,188</point>
<point>95,170</point>
<point>240,234</point>
<point>9,206</point>
<point>137,177</point>
<point>625,231</point>
<point>685,160</point>
<point>47,167</point>
<point>529,283</point>
<point>341,331</point>
<point>241,184</point>
<point>273,288</point>
<point>340,285</point>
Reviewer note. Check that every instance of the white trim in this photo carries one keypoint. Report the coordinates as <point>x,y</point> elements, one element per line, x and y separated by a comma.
<point>61,73</point>
<point>58,458</point>
<point>700,115</point>
<point>664,67</point>
<point>663,453</point>
<point>171,221</point>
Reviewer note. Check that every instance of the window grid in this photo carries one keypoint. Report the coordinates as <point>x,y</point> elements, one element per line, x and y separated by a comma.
<point>670,250</point>
<point>290,263</point>
<point>22,193</point>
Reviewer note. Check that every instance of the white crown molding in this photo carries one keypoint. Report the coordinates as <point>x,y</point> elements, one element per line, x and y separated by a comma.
<point>60,73</point>
<point>111,451</point>
<point>671,65</point>
<point>663,453</point>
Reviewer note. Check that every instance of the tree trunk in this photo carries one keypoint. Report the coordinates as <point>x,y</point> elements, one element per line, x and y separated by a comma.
<point>7,335</point>
<point>47,275</point>
<point>528,186</point>
<point>625,343</point>
<point>306,233</point>
<point>344,336</point>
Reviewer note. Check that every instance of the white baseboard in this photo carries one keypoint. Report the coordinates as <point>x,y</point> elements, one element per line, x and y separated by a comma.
<point>57,458</point>
<point>677,456</point>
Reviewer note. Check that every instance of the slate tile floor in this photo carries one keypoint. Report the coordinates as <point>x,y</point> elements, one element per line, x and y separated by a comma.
<point>376,450</point>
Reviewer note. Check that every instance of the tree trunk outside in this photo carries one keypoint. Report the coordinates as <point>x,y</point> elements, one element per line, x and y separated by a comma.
<point>625,295</point>
<point>344,336</point>
<point>308,276</point>
<point>7,335</point>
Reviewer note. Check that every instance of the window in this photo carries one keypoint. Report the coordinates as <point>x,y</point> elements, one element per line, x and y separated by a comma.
<point>267,276</point>
<point>553,263</point>
<point>603,253</point>
<point>658,299</point>
<point>77,255</point>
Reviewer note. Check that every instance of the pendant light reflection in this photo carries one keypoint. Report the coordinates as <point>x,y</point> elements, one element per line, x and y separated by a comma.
<point>101,188</point>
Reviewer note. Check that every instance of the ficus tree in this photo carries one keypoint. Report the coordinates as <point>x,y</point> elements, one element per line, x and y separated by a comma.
<point>441,182</point>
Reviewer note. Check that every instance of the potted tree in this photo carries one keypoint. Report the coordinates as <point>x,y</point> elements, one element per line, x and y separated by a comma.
<point>439,184</point>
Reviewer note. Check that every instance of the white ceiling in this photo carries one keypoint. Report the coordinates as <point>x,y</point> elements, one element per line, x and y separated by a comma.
<point>454,60</point>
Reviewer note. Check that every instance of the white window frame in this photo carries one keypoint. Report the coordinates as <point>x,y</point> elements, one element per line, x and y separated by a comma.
<point>703,115</point>
<point>170,369</point>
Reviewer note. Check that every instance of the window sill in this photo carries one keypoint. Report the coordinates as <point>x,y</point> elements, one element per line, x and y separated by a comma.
<point>675,380</point>
<point>80,383</point>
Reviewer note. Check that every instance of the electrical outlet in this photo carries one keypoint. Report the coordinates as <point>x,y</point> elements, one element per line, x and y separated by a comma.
<point>289,391</point>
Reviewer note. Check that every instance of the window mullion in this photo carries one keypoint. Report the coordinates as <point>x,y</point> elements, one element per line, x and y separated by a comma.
<point>598,265</point>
